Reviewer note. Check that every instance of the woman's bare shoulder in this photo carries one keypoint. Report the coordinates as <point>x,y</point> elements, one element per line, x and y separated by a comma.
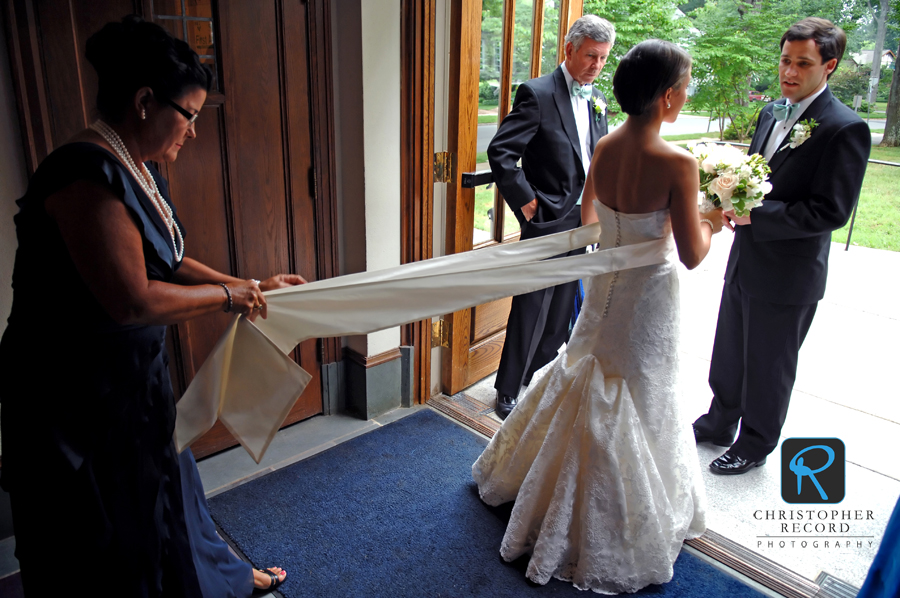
<point>675,157</point>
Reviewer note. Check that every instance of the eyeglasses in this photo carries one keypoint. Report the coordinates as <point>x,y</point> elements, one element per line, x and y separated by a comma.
<point>190,117</point>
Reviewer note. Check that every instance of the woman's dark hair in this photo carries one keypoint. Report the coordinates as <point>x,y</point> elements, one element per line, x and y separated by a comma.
<point>828,37</point>
<point>136,53</point>
<point>646,72</point>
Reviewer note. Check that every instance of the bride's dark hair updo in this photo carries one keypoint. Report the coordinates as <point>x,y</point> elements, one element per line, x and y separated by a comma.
<point>646,72</point>
<point>136,53</point>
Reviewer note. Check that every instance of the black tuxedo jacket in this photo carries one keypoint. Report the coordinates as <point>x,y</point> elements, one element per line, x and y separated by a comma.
<point>541,131</point>
<point>782,256</point>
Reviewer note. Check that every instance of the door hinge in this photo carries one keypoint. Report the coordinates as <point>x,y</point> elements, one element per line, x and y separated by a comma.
<point>439,335</point>
<point>444,167</point>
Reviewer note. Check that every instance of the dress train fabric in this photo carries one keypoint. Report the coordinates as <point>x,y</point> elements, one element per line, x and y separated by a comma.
<point>597,456</point>
<point>250,383</point>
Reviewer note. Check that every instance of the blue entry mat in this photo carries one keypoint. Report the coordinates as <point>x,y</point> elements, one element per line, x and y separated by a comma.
<point>395,513</point>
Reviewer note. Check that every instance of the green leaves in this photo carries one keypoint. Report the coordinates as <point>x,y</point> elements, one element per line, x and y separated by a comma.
<point>635,21</point>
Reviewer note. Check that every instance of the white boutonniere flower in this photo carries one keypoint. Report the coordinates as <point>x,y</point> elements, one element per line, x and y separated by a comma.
<point>599,107</point>
<point>800,133</point>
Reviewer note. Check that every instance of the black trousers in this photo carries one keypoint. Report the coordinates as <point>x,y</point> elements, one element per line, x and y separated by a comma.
<point>753,368</point>
<point>538,326</point>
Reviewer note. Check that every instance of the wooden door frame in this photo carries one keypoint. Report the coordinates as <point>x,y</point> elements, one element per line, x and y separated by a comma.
<point>324,170</point>
<point>462,364</point>
<point>462,129</point>
<point>417,49</point>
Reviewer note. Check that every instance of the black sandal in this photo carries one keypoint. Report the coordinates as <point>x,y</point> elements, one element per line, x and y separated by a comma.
<point>275,582</point>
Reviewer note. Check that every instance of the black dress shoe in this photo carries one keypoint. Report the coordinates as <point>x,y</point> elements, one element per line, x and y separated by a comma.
<point>700,437</point>
<point>733,464</point>
<point>505,405</point>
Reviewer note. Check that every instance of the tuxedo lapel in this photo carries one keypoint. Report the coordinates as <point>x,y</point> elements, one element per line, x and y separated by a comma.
<point>562,97</point>
<point>815,111</point>
<point>781,153</point>
<point>760,138</point>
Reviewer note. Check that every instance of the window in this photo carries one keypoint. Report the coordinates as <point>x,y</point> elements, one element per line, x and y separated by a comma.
<point>193,22</point>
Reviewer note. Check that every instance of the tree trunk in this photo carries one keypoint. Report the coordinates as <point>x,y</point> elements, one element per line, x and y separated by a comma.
<point>892,125</point>
<point>881,17</point>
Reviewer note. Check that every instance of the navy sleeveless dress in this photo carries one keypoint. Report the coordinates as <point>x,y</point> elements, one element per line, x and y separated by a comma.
<point>97,488</point>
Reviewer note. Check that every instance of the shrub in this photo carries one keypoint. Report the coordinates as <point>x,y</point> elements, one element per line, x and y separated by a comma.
<point>488,91</point>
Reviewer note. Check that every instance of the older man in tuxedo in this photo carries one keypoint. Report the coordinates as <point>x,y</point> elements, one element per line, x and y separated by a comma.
<point>553,127</point>
<point>818,150</point>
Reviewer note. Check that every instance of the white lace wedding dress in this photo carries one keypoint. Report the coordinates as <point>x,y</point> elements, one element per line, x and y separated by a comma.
<point>597,455</point>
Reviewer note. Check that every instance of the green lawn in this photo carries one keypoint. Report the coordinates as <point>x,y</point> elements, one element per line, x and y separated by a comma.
<point>878,215</point>
<point>690,136</point>
<point>484,200</point>
<point>487,118</point>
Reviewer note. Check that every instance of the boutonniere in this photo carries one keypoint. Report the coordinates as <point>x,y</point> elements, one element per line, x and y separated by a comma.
<point>800,132</point>
<point>599,107</point>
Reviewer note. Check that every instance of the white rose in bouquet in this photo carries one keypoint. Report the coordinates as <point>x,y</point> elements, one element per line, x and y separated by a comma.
<point>729,179</point>
<point>708,165</point>
<point>724,185</point>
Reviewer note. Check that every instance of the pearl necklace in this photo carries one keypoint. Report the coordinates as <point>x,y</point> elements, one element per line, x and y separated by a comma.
<point>147,183</point>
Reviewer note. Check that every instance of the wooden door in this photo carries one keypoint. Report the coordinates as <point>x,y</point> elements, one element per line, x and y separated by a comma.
<point>247,188</point>
<point>497,45</point>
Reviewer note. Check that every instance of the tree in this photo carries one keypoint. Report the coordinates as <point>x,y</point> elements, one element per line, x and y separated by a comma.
<point>847,82</point>
<point>738,44</point>
<point>879,15</point>
<point>892,125</point>
<point>635,21</point>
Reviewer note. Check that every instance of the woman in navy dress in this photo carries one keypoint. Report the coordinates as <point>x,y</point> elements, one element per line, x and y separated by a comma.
<point>100,496</point>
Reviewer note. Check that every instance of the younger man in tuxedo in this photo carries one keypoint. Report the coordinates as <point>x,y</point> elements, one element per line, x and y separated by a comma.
<point>779,259</point>
<point>553,127</point>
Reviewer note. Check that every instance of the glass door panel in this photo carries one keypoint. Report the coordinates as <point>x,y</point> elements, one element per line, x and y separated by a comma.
<point>549,45</point>
<point>488,107</point>
<point>193,22</point>
<point>510,224</point>
<point>521,46</point>
<point>483,231</point>
<point>489,76</point>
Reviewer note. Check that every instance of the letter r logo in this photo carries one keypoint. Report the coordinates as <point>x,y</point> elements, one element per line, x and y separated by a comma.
<point>813,470</point>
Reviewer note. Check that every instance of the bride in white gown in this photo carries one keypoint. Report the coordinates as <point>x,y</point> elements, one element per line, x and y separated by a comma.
<point>597,455</point>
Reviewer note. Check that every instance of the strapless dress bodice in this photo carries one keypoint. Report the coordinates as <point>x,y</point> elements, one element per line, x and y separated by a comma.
<point>620,229</point>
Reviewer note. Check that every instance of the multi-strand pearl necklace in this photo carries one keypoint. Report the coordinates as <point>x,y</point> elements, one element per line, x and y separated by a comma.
<point>147,183</point>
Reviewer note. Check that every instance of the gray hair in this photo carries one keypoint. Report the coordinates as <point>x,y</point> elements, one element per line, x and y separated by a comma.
<point>593,27</point>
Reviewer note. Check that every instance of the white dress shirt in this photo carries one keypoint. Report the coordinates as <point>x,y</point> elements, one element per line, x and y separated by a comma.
<point>582,113</point>
<point>781,129</point>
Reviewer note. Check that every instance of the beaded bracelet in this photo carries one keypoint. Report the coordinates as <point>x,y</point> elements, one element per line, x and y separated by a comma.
<point>709,222</point>
<point>227,292</point>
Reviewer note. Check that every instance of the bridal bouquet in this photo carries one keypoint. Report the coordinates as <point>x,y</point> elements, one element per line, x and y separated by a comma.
<point>730,179</point>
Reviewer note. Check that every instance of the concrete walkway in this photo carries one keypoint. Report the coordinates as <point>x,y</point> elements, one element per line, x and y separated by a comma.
<point>846,388</point>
